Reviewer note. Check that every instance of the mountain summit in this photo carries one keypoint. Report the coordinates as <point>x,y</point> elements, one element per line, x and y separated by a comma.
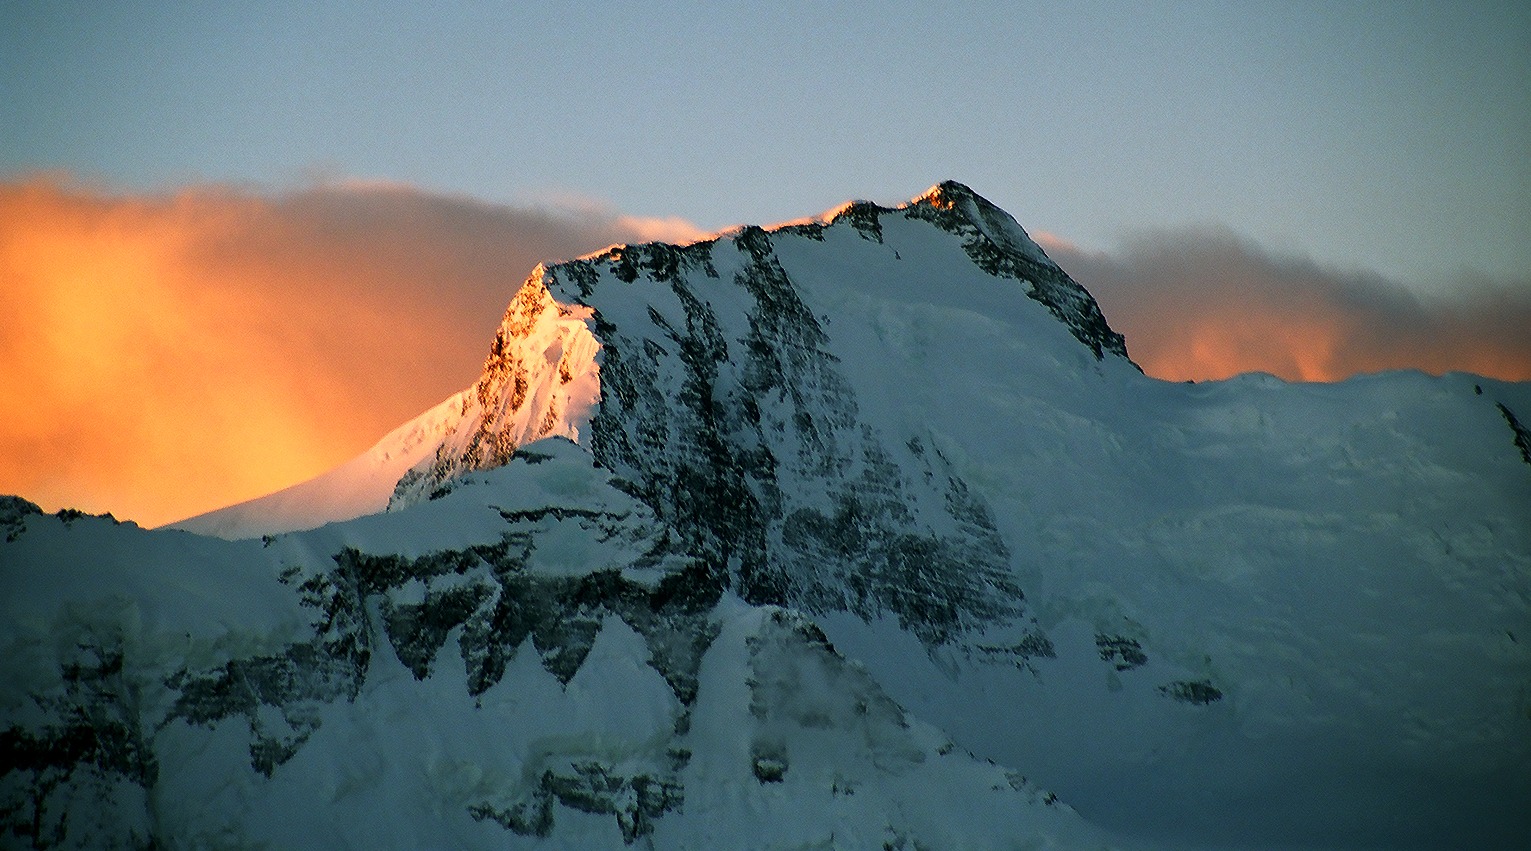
<point>542,378</point>
<point>858,531</point>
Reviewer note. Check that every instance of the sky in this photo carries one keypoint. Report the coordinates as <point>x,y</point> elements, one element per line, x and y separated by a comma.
<point>239,242</point>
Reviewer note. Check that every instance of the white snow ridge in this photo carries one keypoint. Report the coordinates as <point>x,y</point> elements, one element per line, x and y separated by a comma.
<point>857,532</point>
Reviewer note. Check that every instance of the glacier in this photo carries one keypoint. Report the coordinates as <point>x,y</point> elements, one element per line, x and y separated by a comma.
<point>858,531</point>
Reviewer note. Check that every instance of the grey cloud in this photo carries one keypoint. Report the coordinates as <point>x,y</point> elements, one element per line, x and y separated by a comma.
<point>1204,303</point>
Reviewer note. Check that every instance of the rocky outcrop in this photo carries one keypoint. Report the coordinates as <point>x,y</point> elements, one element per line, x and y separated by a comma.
<point>1522,435</point>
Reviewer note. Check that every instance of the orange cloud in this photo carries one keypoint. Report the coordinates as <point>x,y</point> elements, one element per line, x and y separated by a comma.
<point>1197,305</point>
<point>165,355</point>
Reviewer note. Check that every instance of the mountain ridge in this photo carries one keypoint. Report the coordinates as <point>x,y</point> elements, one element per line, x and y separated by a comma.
<point>854,540</point>
<point>993,240</point>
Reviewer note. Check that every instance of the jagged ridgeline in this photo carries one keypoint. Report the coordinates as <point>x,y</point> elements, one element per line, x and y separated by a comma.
<point>609,602</point>
<point>733,454</point>
<point>722,409</point>
<point>567,678</point>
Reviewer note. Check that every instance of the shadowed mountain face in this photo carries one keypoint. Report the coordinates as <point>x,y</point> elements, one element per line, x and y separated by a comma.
<point>861,531</point>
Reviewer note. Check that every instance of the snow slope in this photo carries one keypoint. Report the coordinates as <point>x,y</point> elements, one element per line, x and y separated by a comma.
<point>521,663</point>
<point>540,379</point>
<point>359,486</point>
<point>1236,614</point>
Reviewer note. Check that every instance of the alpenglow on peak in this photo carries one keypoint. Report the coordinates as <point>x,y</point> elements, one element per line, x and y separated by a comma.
<point>856,531</point>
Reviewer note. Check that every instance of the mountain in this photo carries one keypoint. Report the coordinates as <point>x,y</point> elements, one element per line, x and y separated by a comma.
<point>860,531</point>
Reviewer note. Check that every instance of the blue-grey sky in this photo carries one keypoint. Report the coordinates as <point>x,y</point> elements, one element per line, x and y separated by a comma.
<point>1387,137</point>
<point>292,226</point>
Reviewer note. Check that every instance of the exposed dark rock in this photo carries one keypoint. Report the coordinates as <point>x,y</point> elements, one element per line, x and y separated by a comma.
<point>658,261</point>
<point>1034,644</point>
<point>498,605</point>
<point>92,750</point>
<point>707,428</point>
<point>749,446</point>
<point>1126,653</point>
<point>14,512</point>
<point>864,217</point>
<point>418,631</point>
<point>591,787</point>
<point>296,682</point>
<point>1522,435</point>
<point>487,595</point>
<point>950,208</point>
<point>69,515</point>
<point>768,760</point>
<point>1199,692</point>
<point>810,230</point>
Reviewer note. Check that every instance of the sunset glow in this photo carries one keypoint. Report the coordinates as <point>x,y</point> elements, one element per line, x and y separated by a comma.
<point>171,377</point>
<point>164,355</point>
<point>1214,345</point>
<point>1198,306</point>
<point>1072,425</point>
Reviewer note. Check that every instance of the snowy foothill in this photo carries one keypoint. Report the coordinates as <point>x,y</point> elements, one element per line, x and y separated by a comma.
<point>189,649</point>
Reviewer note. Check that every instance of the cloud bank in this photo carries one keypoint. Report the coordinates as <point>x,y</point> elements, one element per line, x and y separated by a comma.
<point>165,355</point>
<point>1205,304</point>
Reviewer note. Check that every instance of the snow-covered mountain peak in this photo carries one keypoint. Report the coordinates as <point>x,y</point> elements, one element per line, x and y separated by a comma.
<point>543,373</point>
<point>541,379</point>
<point>998,225</point>
<point>723,405</point>
<point>759,541</point>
